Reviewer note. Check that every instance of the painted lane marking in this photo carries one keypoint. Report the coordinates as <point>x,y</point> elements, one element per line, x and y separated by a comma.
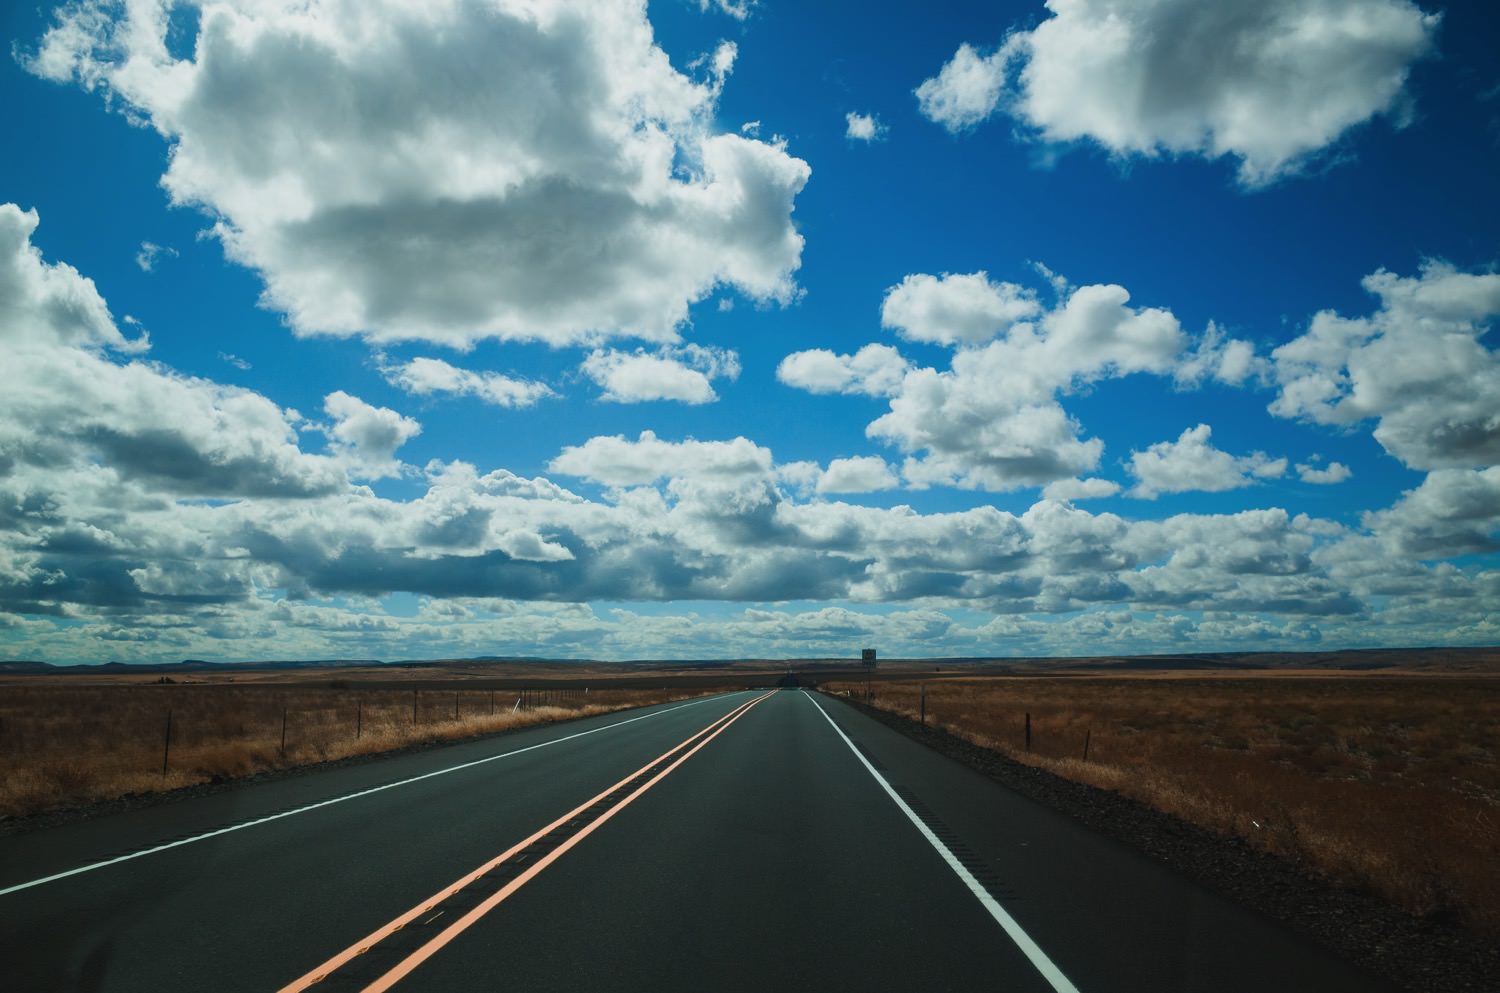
<point>365,944</point>
<point>1028,947</point>
<point>326,803</point>
<point>456,927</point>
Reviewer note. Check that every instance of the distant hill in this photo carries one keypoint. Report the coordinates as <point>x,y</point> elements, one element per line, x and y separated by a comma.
<point>186,665</point>
<point>25,666</point>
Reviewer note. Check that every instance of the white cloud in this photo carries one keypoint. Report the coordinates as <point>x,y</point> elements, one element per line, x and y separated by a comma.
<point>860,474</point>
<point>1270,84</point>
<point>451,171</point>
<point>617,461</point>
<point>1333,472</point>
<point>1080,489</point>
<point>993,420</point>
<point>737,9</point>
<point>874,370</point>
<point>66,405</point>
<point>966,90</point>
<point>53,303</point>
<point>528,546</point>
<point>150,252</point>
<point>366,437</point>
<point>955,309</point>
<point>963,435</point>
<point>1418,365</point>
<point>1223,359</point>
<point>172,434</point>
<point>863,127</point>
<point>1453,512</point>
<point>1192,464</point>
<point>425,376</point>
<point>682,373</point>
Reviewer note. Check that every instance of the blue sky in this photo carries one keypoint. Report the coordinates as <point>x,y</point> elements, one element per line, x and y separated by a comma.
<point>403,329</point>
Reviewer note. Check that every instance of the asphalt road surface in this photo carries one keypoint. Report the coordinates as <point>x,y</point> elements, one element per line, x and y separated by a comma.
<point>750,841</point>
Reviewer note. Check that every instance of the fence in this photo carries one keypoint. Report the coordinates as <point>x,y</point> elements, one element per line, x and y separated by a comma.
<point>61,744</point>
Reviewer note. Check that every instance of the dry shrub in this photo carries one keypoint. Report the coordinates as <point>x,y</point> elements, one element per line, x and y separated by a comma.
<point>229,760</point>
<point>1385,783</point>
<point>28,791</point>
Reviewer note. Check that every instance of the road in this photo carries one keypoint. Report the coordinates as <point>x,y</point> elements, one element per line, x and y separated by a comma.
<point>748,841</point>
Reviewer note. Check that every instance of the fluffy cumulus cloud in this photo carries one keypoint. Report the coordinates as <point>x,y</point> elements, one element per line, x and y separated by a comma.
<point>992,420</point>
<point>366,437</point>
<point>50,303</point>
<point>863,127</point>
<point>1080,489</point>
<point>861,474</point>
<point>424,376</point>
<point>1216,357</point>
<point>874,370</point>
<point>1323,475</point>
<point>1270,83</point>
<point>1418,366</point>
<point>618,461</point>
<point>955,309</point>
<point>67,403</point>
<point>1191,464</point>
<point>449,170</point>
<point>967,89</point>
<point>682,373</point>
<point>1453,512</point>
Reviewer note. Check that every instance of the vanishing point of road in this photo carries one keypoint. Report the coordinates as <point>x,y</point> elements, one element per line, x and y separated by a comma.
<point>758,841</point>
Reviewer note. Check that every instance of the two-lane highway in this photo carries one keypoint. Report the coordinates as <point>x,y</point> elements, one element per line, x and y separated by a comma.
<point>748,841</point>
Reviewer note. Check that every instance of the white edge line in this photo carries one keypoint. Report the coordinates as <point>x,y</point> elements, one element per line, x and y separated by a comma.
<point>1023,941</point>
<point>340,799</point>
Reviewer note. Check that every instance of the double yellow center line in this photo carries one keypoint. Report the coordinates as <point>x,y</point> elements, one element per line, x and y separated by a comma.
<point>557,838</point>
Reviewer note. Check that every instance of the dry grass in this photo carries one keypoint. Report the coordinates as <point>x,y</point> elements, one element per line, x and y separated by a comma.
<point>1386,783</point>
<point>63,746</point>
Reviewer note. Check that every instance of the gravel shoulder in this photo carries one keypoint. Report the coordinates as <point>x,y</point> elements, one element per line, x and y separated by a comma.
<point>1425,955</point>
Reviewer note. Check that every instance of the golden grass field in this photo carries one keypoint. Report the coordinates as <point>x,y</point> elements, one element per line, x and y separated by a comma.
<point>64,744</point>
<point>1385,782</point>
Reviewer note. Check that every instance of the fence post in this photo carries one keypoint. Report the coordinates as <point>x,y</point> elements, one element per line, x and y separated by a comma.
<point>1028,731</point>
<point>1088,733</point>
<point>166,748</point>
<point>359,720</point>
<point>924,705</point>
<point>455,705</point>
<point>492,703</point>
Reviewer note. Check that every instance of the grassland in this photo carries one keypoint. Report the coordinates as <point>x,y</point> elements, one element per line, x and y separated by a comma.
<point>66,744</point>
<point>1388,783</point>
